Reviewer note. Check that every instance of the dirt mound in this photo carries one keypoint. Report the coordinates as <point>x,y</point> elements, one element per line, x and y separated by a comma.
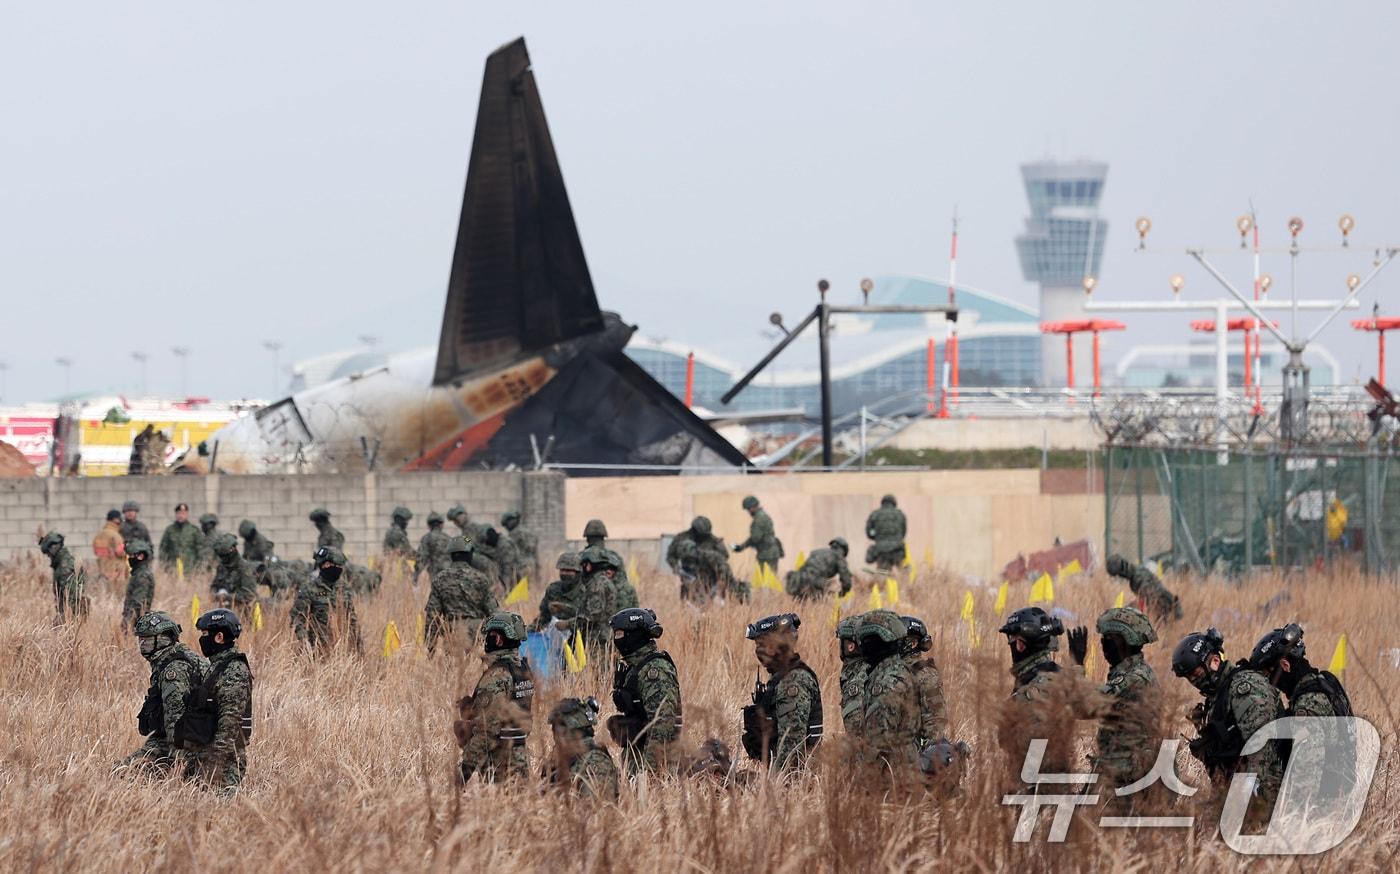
<point>12,463</point>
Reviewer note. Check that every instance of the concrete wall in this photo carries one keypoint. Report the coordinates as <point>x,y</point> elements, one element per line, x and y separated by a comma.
<point>1000,433</point>
<point>973,521</point>
<point>359,503</point>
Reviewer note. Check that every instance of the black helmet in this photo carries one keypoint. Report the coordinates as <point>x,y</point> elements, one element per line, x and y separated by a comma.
<point>220,619</point>
<point>1281,643</point>
<point>919,638</point>
<point>780,622</point>
<point>1038,628</point>
<point>1195,650</point>
<point>633,628</point>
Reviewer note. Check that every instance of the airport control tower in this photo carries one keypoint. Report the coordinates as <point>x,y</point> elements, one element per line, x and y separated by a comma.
<point>1062,244</point>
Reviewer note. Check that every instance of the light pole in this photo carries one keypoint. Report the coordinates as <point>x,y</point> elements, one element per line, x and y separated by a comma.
<point>140,358</point>
<point>275,347</point>
<point>183,353</point>
<point>67,364</point>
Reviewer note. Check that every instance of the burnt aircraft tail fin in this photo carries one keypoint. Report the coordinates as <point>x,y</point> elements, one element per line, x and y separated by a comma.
<point>519,281</point>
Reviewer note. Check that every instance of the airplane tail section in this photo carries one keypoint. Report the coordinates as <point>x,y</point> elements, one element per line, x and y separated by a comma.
<point>519,281</point>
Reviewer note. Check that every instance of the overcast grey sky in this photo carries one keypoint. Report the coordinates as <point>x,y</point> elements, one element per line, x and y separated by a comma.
<point>216,174</point>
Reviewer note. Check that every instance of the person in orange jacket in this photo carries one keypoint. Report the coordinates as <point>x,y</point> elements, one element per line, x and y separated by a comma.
<point>110,551</point>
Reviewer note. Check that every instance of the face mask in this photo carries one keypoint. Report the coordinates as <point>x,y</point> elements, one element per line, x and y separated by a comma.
<point>1111,653</point>
<point>1207,682</point>
<point>873,649</point>
<point>209,647</point>
<point>134,561</point>
<point>628,642</point>
<point>148,647</point>
<point>331,574</point>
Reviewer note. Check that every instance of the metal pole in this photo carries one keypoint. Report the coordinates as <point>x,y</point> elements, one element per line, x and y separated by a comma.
<point>1069,358</point>
<point>1249,305</point>
<point>1096,364</point>
<point>1380,365</point>
<point>930,383</point>
<point>690,380</point>
<point>1222,353</point>
<point>777,350</point>
<point>824,343</point>
<point>1327,320</point>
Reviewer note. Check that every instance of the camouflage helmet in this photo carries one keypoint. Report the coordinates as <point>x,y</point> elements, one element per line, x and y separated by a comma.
<point>598,558</point>
<point>1035,626</point>
<point>884,624</point>
<point>320,514</point>
<point>458,545</point>
<point>702,526</point>
<point>138,545</point>
<point>49,542</point>
<point>595,528</point>
<point>247,529</point>
<point>1281,643</point>
<point>401,513</point>
<point>435,518</point>
<point>329,554</point>
<point>750,502</point>
<point>1195,649</point>
<point>576,714</point>
<point>1130,623</point>
<point>456,511</point>
<point>510,518</point>
<point>846,628</point>
<point>155,624</point>
<point>568,561</point>
<point>130,505</point>
<point>510,625</point>
<point>225,544</point>
<point>220,619</point>
<point>769,624</point>
<point>840,543</point>
<point>888,501</point>
<point>208,520</point>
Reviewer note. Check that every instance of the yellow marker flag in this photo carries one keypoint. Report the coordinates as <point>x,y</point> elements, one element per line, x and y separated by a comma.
<point>194,610</point>
<point>569,663</point>
<point>892,591</point>
<point>773,578</point>
<point>1118,602</point>
<point>1339,657</point>
<point>521,592</point>
<point>180,567</point>
<point>969,615</point>
<point>907,562</point>
<point>418,632</point>
<point>580,654</point>
<point>1042,590</point>
<point>801,559</point>
<point>1000,604</point>
<point>632,571</point>
<point>1069,570</point>
<point>875,602</point>
<point>391,639</point>
<point>257,616</point>
<point>928,557</point>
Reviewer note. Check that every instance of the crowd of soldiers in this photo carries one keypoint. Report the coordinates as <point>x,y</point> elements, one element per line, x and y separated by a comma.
<point>197,713</point>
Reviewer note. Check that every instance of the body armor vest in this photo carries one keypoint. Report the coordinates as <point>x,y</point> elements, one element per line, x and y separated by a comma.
<point>760,724</point>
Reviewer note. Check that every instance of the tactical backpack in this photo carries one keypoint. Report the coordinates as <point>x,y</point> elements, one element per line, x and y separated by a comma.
<point>151,719</point>
<point>201,718</point>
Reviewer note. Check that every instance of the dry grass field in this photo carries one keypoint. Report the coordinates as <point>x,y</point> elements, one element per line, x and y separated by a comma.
<point>352,757</point>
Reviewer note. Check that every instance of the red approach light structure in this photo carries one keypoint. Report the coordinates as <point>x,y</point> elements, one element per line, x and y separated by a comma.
<point>1069,329</point>
<point>1249,325</point>
<point>1379,324</point>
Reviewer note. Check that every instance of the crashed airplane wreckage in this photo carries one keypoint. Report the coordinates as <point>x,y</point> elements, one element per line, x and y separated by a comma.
<point>528,369</point>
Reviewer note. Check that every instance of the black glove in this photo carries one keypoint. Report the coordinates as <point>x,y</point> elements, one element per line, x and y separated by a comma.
<point>1118,566</point>
<point>1078,644</point>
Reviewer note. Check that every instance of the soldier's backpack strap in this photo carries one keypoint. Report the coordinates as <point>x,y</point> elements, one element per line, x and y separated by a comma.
<point>1327,683</point>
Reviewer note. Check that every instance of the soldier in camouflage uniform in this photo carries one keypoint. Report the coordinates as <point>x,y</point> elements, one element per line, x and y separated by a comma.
<point>70,602</point>
<point>700,559</point>
<point>1238,702</point>
<point>223,711</point>
<point>460,594</point>
<point>561,601</point>
<point>527,544</point>
<point>133,528</point>
<point>1129,732</point>
<point>256,547</point>
<point>1281,656</point>
<point>182,543</point>
<point>598,599</point>
<point>853,673</point>
<point>813,579</point>
<point>398,551</point>
<point>646,693</point>
<point>498,548</point>
<point>432,549</point>
<point>319,597</point>
<point>208,530</point>
<point>1153,598</point>
<point>494,721</point>
<point>768,549</point>
<point>886,527</point>
<point>784,722</point>
<point>933,709</point>
<point>590,768</point>
<point>362,579</point>
<point>326,533</point>
<point>140,585</point>
<point>595,534</point>
<point>889,722</point>
<point>175,670</point>
<point>282,578</point>
<point>233,583</point>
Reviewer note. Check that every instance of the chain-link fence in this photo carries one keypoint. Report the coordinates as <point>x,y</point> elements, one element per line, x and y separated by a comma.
<point>1226,510</point>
